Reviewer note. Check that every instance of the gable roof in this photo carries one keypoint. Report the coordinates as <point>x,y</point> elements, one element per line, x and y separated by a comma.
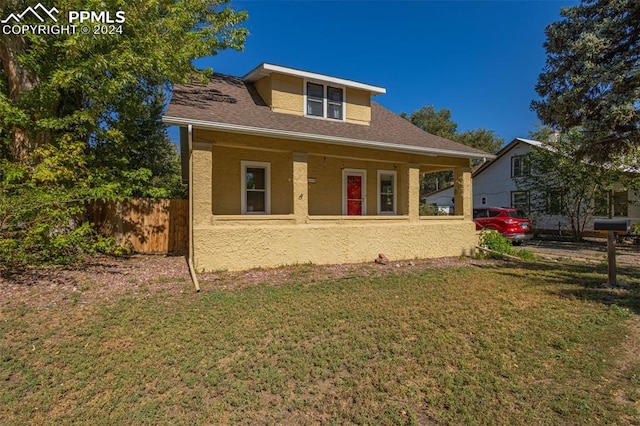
<point>231,104</point>
<point>504,151</point>
<point>482,167</point>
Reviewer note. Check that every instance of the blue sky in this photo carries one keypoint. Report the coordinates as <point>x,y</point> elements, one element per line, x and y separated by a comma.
<point>479,59</point>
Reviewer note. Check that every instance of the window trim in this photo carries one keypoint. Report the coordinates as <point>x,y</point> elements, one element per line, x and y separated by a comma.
<point>362,172</point>
<point>525,168</point>
<point>308,99</point>
<point>243,186</point>
<point>624,206</point>
<point>394,174</point>
<point>549,197</point>
<point>325,100</point>
<point>604,197</point>
<point>528,209</point>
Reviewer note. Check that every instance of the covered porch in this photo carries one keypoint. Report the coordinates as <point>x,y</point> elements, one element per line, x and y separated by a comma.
<point>264,202</point>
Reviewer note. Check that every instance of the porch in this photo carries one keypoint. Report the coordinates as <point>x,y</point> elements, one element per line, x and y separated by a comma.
<point>266,202</point>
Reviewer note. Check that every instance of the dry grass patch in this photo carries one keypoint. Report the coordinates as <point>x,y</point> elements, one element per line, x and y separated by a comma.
<point>494,343</point>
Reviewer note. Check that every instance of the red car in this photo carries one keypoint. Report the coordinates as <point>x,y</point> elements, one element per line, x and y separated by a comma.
<point>511,223</point>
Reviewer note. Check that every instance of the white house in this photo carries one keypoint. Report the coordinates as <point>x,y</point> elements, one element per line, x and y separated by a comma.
<point>494,185</point>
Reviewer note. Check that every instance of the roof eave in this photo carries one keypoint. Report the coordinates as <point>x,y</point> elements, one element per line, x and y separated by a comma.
<point>266,69</point>
<point>309,137</point>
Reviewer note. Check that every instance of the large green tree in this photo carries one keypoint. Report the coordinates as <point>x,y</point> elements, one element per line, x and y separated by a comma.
<point>436,122</point>
<point>592,76</point>
<point>439,123</point>
<point>483,139</point>
<point>79,113</point>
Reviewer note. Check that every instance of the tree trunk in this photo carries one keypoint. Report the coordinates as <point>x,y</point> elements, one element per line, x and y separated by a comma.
<point>19,81</point>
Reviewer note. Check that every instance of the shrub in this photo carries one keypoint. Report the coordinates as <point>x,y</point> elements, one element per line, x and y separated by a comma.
<point>431,210</point>
<point>501,245</point>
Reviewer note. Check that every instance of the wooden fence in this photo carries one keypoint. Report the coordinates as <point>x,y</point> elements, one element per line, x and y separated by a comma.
<point>144,225</point>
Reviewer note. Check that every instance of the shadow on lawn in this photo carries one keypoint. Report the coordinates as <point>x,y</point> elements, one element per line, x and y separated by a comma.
<point>588,282</point>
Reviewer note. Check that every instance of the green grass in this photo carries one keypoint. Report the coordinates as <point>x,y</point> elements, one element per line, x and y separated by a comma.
<point>523,344</point>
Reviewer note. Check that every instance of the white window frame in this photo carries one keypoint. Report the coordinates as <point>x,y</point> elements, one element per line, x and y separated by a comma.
<point>522,160</point>
<point>527,210</point>
<point>325,100</point>
<point>243,185</point>
<point>363,173</point>
<point>394,174</point>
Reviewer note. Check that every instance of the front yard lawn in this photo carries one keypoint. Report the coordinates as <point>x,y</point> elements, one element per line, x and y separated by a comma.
<point>487,344</point>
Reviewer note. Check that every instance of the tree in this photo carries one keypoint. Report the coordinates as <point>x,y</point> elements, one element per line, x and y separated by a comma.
<point>135,152</point>
<point>560,185</point>
<point>79,114</point>
<point>439,123</point>
<point>482,139</point>
<point>591,77</point>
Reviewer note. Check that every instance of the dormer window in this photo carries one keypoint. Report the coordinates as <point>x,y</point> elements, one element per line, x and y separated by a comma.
<point>325,101</point>
<point>334,103</point>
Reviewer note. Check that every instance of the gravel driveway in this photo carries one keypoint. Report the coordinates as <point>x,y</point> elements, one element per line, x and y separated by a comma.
<point>592,250</point>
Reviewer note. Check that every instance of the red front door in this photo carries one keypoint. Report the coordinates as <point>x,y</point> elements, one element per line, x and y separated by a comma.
<point>354,195</point>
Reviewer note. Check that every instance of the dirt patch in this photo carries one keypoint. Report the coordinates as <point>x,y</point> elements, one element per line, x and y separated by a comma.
<point>307,274</point>
<point>101,278</point>
<point>97,278</point>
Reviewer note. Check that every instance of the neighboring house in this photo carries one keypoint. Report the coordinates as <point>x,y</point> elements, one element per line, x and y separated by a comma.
<point>288,166</point>
<point>494,185</point>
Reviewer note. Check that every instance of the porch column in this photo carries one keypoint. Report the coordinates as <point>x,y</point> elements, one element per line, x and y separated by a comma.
<point>410,192</point>
<point>463,193</point>
<point>202,181</point>
<point>300,187</point>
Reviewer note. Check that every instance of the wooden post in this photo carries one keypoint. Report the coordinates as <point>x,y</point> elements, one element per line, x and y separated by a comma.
<point>611,258</point>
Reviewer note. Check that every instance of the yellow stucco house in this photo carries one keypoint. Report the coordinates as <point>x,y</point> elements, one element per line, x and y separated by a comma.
<point>288,166</point>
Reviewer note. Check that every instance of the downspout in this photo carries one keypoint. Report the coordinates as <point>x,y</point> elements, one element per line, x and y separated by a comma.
<point>192,271</point>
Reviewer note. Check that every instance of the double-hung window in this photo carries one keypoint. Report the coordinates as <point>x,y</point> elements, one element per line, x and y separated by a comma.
<point>520,200</point>
<point>617,201</point>
<point>325,101</point>
<point>519,166</point>
<point>334,103</point>
<point>553,202</point>
<point>315,100</point>
<point>256,188</point>
<point>386,192</point>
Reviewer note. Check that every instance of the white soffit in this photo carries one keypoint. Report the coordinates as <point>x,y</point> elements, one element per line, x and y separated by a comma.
<point>265,69</point>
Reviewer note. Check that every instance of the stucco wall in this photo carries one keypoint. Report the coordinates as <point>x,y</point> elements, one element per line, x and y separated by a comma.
<point>358,106</point>
<point>263,86</point>
<point>286,94</point>
<point>251,245</point>
<point>226,179</point>
<point>224,239</point>
<point>325,194</point>
<point>217,166</point>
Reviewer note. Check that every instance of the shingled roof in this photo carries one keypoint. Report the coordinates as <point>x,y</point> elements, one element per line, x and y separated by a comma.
<point>228,103</point>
